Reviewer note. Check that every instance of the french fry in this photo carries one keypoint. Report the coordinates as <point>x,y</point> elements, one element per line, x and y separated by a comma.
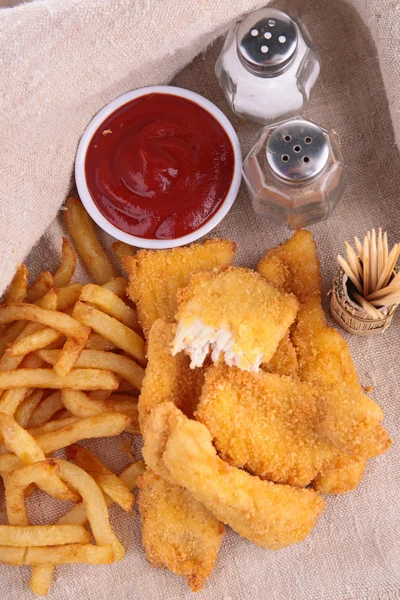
<point>54,319</point>
<point>122,250</point>
<point>97,342</point>
<point>69,355</point>
<point>12,398</point>
<point>44,282</point>
<point>15,329</point>
<point>36,341</point>
<point>83,407</point>
<point>24,446</point>
<point>125,386</point>
<point>46,410</point>
<point>53,425</point>
<point>95,504</point>
<point>48,302</point>
<point>8,464</point>
<point>12,556</point>
<point>26,409</point>
<point>10,335</point>
<point>79,480</point>
<point>41,576</point>
<point>68,295</point>
<point>112,485</point>
<point>117,285</point>
<point>111,304</point>
<point>81,230</point>
<point>87,554</point>
<point>101,425</point>
<point>78,379</point>
<point>66,270</point>
<point>43,535</point>
<point>96,359</point>
<point>111,329</point>
<point>41,579</point>
<point>18,287</point>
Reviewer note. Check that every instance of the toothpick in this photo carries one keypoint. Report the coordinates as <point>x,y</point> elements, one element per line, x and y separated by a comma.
<point>381,258</point>
<point>385,249</point>
<point>359,247</point>
<point>374,262</point>
<point>369,309</point>
<point>349,272</point>
<point>390,264</point>
<point>387,300</point>
<point>353,261</point>
<point>366,265</point>
<point>384,292</point>
<point>372,271</point>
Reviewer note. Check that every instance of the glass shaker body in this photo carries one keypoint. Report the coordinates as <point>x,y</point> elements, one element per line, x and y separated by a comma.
<point>267,66</point>
<point>295,173</point>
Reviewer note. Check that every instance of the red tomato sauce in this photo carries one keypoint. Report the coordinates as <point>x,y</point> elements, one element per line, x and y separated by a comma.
<point>159,167</point>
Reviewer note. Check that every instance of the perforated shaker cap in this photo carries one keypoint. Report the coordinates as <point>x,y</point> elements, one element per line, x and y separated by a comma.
<point>266,42</point>
<point>297,150</point>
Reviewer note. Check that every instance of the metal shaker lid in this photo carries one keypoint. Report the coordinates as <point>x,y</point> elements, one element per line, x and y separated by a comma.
<point>266,41</point>
<point>297,150</point>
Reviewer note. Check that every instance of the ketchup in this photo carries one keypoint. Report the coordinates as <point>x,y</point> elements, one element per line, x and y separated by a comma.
<point>159,167</point>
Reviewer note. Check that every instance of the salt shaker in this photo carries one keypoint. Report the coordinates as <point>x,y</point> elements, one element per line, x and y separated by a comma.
<point>267,66</point>
<point>295,173</point>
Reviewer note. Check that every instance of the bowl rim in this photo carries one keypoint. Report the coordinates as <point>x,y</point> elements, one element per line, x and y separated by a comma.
<point>106,111</point>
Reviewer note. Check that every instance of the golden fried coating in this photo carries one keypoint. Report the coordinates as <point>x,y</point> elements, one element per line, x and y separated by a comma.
<point>294,266</point>
<point>342,475</point>
<point>156,276</point>
<point>284,361</point>
<point>285,430</point>
<point>323,355</point>
<point>235,314</point>
<point>178,532</point>
<point>268,514</point>
<point>168,376</point>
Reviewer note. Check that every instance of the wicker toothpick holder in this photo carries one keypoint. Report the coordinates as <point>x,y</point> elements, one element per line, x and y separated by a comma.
<point>350,315</point>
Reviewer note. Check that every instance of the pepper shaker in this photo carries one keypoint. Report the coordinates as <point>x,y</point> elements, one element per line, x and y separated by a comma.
<point>295,173</point>
<point>267,66</point>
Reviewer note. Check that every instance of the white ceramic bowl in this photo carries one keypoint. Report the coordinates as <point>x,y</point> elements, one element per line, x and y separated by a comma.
<point>106,112</point>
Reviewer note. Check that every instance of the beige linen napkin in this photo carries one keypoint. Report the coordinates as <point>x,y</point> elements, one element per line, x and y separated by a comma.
<point>62,60</point>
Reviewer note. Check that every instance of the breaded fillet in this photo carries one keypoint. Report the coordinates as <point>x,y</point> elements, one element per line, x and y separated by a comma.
<point>284,361</point>
<point>294,267</point>
<point>343,475</point>
<point>156,276</point>
<point>168,376</point>
<point>234,314</point>
<point>178,532</point>
<point>285,430</point>
<point>323,355</point>
<point>268,514</point>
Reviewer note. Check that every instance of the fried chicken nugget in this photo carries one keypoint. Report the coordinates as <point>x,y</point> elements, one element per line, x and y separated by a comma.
<point>285,430</point>
<point>178,533</point>
<point>235,314</point>
<point>323,355</point>
<point>268,514</point>
<point>156,276</point>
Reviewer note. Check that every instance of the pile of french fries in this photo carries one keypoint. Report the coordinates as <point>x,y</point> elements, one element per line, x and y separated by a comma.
<point>72,361</point>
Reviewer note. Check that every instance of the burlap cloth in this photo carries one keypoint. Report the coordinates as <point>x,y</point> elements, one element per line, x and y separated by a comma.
<point>61,61</point>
